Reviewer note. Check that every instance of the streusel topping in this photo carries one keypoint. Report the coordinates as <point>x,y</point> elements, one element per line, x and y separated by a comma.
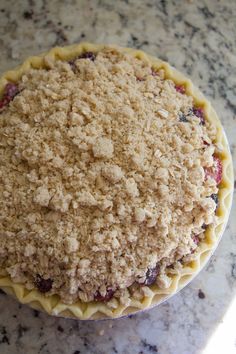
<point>102,179</point>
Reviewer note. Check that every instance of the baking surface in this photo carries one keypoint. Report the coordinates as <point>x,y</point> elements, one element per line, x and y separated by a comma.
<point>199,39</point>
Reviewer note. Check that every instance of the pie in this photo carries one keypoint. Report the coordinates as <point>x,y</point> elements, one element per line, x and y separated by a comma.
<point>115,181</point>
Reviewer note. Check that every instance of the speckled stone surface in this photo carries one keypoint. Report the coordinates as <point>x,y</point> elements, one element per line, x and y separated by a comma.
<point>199,38</point>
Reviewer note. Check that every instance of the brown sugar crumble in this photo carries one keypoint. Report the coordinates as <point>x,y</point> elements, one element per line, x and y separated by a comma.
<point>103,190</point>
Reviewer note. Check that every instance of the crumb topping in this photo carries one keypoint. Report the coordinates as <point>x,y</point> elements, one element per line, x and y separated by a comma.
<point>102,180</point>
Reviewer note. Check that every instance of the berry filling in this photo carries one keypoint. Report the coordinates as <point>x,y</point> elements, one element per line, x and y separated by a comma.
<point>205,143</point>
<point>10,91</point>
<point>198,112</point>
<point>180,88</point>
<point>183,118</point>
<point>195,239</point>
<point>154,72</point>
<point>151,275</point>
<point>215,198</point>
<point>107,297</point>
<point>87,55</point>
<point>3,102</point>
<point>204,226</point>
<point>43,285</point>
<point>215,172</point>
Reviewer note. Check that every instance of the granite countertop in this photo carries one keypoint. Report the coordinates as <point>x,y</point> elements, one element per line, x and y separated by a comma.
<point>199,38</point>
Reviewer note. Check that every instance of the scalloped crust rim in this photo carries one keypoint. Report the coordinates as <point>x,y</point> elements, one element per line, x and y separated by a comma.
<point>95,310</point>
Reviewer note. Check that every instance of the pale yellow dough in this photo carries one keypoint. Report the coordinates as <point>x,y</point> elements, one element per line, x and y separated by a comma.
<point>95,310</point>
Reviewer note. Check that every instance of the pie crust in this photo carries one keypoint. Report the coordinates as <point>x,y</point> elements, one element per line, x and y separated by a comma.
<point>98,310</point>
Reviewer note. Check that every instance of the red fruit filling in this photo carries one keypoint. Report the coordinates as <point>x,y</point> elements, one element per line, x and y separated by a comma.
<point>198,112</point>
<point>215,198</point>
<point>107,297</point>
<point>215,171</point>
<point>154,72</point>
<point>88,55</point>
<point>195,239</point>
<point>205,143</point>
<point>10,91</point>
<point>43,285</point>
<point>85,55</point>
<point>3,102</point>
<point>151,275</point>
<point>180,88</point>
<point>183,118</point>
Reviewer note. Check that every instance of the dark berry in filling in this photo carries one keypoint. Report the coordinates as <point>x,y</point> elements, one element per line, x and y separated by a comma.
<point>205,143</point>
<point>105,298</point>
<point>171,266</point>
<point>151,275</point>
<point>72,64</point>
<point>10,91</point>
<point>215,198</point>
<point>87,55</point>
<point>183,118</point>
<point>198,112</point>
<point>216,171</point>
<point>195,239</point>
<point>180,89</point>
<point>43,285</point>
<point>3,102</point>
<point>154,72</point>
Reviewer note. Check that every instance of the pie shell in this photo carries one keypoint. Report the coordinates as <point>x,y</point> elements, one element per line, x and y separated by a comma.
<point>97,310</point>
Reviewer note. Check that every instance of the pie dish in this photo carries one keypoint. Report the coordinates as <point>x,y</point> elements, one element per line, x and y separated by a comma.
<point>116,181</point>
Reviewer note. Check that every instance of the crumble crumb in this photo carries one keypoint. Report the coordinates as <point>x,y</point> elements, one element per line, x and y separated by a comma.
<point>103,148</point>
<point>42,196</point>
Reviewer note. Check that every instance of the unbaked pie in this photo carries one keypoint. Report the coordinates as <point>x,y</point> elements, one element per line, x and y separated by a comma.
<point>115,181</point>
